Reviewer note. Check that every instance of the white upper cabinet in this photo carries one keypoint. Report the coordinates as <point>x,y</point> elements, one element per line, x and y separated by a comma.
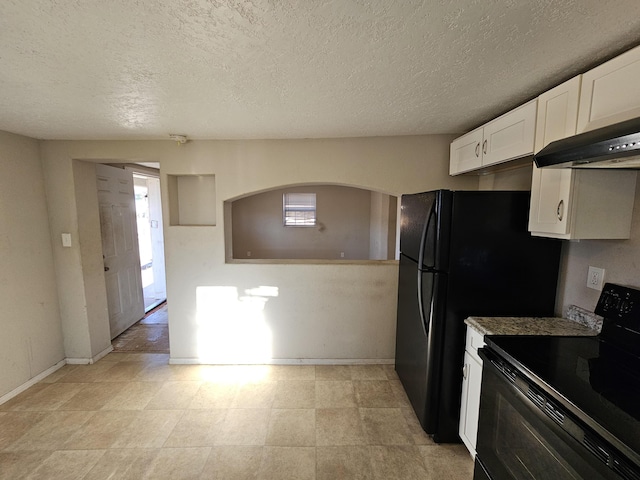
<point>466,154</point>
<point>557,113</point>
<point>508,137</point>
<point>576,204</point>
<point>551,188</point>
<point>610,92</point>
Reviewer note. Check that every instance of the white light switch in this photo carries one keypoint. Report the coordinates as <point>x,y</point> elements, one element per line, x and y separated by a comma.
<point>66,239</point>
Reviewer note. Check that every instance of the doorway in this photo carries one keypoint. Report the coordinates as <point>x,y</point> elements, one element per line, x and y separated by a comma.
<point>151,333</point>
<point>150,239</point>
<point>133,252</point>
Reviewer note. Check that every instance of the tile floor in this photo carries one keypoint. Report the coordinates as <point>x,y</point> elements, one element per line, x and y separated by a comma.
<point>133,416</point>
<point>151,334</point>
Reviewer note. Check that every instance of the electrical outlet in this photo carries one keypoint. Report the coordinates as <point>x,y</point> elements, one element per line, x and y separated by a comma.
<point>341,254</point>
<point>248,253</point>
<point>595,278</point>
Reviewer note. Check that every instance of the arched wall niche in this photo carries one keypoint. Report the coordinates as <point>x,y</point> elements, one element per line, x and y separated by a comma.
<point>352,224</point>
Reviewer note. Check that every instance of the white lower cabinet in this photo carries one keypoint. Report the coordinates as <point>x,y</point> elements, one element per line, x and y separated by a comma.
<point>471,382</point>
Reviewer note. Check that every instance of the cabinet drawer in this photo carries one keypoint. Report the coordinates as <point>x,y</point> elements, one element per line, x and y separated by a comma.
<point>475,340</point>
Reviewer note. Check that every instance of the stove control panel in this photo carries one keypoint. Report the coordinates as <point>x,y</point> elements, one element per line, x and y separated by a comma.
<point>620,304</point>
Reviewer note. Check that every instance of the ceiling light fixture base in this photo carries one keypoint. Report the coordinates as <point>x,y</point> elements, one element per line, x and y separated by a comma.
<point>181,139</point>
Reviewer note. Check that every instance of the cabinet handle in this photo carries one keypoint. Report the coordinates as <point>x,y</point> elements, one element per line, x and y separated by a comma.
<point>560,210</point>
<point>484,147</point>
<point>478,149</point>
<point>465,369</point>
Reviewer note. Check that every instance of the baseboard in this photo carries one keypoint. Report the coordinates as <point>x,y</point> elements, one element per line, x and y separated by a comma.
<point>290,361</point>
<point>102,354</point>
<point>89,361</point>
<point>18,390</point>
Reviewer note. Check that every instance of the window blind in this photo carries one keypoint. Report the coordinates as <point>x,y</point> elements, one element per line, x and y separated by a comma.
<point>299,209</point>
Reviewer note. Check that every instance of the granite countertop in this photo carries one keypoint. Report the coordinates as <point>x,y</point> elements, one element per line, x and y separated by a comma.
<point>529,326</point>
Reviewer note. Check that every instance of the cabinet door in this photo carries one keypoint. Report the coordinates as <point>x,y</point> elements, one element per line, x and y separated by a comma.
<point>550,200</point>
<point>464,404</point>
<point>557,113</point>
<point>470,409</point>
<point>466,153</point>
<point>610,92</point>
<point>550,187</point>
<point>510,136</point>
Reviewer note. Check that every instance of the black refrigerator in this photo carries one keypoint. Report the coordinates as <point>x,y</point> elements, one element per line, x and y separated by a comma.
<point>462,254</point>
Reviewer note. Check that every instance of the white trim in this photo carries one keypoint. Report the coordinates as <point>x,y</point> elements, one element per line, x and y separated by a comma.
<point>140,169</point>
<point>102,354</point>
<point>78,361</point>
<point>291,361</point>
<point>90,361</point>
<point>18,390</point>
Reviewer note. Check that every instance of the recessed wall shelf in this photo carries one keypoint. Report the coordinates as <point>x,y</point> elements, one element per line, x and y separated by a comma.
<point>192,200</point>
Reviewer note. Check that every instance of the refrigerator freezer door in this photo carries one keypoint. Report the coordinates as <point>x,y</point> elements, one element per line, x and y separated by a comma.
<point>412,333</point>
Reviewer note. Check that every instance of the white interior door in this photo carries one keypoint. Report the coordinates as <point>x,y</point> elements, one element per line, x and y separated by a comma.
<point>120,247</point>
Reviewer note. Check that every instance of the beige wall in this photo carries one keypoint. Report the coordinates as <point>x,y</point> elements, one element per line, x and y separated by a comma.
<point>73,208</point>
<point>383,225</point>
<point>93,287</point>
<point>30,329</point>
<point>271,312</point>
<point>515,179</point>
<point>619,258</point>
<point>343,225</point>
<point>293,311</point>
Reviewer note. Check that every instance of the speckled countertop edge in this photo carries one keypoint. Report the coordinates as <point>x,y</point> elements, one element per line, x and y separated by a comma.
<point>529,326</point>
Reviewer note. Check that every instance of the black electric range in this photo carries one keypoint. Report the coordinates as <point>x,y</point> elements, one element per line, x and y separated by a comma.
<point>578,398</point>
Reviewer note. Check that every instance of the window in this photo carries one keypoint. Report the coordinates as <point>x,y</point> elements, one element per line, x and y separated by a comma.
<point>299,209</point>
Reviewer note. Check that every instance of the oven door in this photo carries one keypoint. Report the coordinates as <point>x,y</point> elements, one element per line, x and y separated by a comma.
<point>518,440</point>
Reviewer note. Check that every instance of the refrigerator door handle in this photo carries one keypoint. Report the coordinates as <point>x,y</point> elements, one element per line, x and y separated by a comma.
<point>426,317</point>
<point>421,307</point>
<point>425,235</point>
<point>432,313</point>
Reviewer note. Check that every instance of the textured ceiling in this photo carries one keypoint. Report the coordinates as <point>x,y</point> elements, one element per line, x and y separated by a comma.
<point>136,69</point>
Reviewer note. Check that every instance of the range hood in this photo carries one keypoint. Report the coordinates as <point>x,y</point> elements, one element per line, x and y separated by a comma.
<point>614,146</point>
